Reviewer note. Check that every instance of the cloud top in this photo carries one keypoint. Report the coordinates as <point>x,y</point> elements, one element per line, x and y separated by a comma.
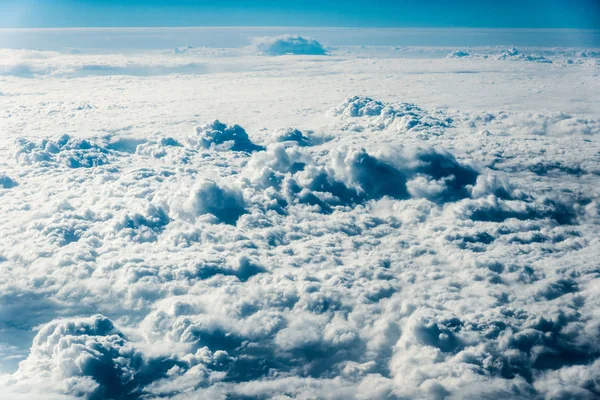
<point>288,44</point>
<point>412,254</point>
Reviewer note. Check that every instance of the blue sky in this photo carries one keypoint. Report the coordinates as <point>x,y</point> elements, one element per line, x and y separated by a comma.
<point>350,13</point>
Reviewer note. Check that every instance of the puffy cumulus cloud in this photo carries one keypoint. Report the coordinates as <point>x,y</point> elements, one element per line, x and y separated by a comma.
<point>459,54</point>
<point>579,381</point>
<point>183,49</point>
<point>69,151</point>
<point>513,54</point>
<point>72,152</point>
<point>589,53</point>
<point>288,44</point>
<point>360,113</point>
<point>167,149</point>
<point>7,182</point>
<point>359,106</point>
<point>355,176</point>
<point>424,173</point>
<point>143,224</point>
<point>496,184</point>
<point>564,210</point>
<point>252,337</point>
<point>220,136</point>
<point>292,135</point>
<point>218,323</point>
<point>90,358</point>
<point>268,168</point>
<point>226,203</point>
<point>552,124</point>
<point>536,348</point>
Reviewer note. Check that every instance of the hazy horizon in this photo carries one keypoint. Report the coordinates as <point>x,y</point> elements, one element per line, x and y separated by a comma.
<point>237,36</point>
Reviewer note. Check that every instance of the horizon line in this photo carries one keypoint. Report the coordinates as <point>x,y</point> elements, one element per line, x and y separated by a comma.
<point>421,28</point>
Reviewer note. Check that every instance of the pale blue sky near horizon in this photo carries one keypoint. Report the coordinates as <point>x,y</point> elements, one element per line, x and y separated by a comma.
<point>95,24</point>
<point>579,14</point>
<point>139,39</point>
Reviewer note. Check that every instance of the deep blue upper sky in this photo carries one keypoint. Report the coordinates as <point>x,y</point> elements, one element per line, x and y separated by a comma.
<point>349,13</point>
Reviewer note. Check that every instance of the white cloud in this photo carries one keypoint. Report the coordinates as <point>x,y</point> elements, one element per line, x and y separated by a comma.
<point>290,135</point>
<point>7,182</point>
<point>218,135</point>
<point>288,44</point>
<point>72,152</point>
<point>360,113</point>
<point>225,203</point>
<point>515,55</point>
<point>384,250</point>
<point>87,357</point>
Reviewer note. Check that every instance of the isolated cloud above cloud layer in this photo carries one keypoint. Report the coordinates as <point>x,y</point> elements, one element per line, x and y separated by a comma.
<point>399,250</point>
<point>288,44</point>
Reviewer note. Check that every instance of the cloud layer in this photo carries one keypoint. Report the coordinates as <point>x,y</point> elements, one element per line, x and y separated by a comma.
<point>398,250</point>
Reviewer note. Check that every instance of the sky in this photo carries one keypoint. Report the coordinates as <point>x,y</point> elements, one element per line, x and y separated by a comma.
<point>581,14</point>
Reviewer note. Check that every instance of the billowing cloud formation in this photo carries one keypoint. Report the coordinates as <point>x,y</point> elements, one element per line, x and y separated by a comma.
<point>288,44</point>
<point>227,204</point>
<point>72,152</point>
<point>552,124</point>
<point>511,54</point>
<point>414,254</point>
<point>7,182</point>
<point>359,113</point>
<point>221,136</point>
<point>355,176</point>
<point>90,358</point>
<point>459,54</point>
<point>290,135</point>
